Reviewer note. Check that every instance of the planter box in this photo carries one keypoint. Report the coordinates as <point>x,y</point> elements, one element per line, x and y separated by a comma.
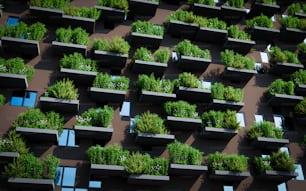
<point>187,170</point>
<point>155,97</point>
<point>111,16</point>
<point>262,8</point>
<point>144,67</point>
<point>284,100</point>
<point>206,10</point>
<point>66,48</point>
<point>7,157</point>
<point>269,143</point>
<point>238,75</point>
<point>88,24</point>
<point>211,35</point>
<point>142,8</point>
<point>188,63</point>
<point>64,105</point>
<point>180,29</point>
<point>184,124</point>
<point>224,105</point>
<point>300,90</point>
<point>193,94</point>
<point>36,134</point>
<point>275,175</point>
<point>232,13</point>
<point>218,133</point>
<point>145,40</point>
<point>284,69</point>
<point>292,35</point>
<point>262,33</point>
<point>31,183</point>
<point>300,15</point>
<point>107,95</point>
<point>237,45</point>
<point>78,76</point>
<point>145,179</point>
<point>25,47</point>
<point>110,59</point>
<point>225,175</point>
<point>98,170</point>
<point>13,81</point>
<point>93,133</point>
<point>154,139</point>
<point>46,15</point>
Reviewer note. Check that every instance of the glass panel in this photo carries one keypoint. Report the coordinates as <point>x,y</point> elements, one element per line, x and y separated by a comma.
<point>29,99</point>
<point>69,176</point>
<point>80,189</point>
<point>284,149</point>
<point>71,138</point>
<point>278,121</point>
<point>264,57</point>
<point>299,170</point>
<point>282,187</point>
<point>240,119</point>
<point>59,176</point>
<point>67,189</point>
<point>12,21</point>
<point>132,125</point>
<point>125,109</point>
<point>16,101</point>
<point>258,118</point>
<point>95,184</point>
<point>228,188</point>
<point>63,138</point>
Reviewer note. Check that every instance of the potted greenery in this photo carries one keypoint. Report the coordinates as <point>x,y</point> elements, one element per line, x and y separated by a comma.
<point>107,161</point>
<point>150,130</point>
<point>154,90</point>
<point>278,166</point>
<point>233,10</point>
<point>181,115</point>
<point>238,40</point>
<point>111,53</point>
<point>95,124</point>
<point>146,62</point>
<point>61,96</point>
<point>191,57</point>
<point>77,68</point>
<point>299,112</point>
<point>25,37</point>
<point>36,125</point>
<point>70,40</point>
<point>38,174</point>
<point>293,29</point>
<point>301,51</point>
<point>185,160</point>
<point>219,124</point>
<point>238,68</point>
<point>107,88</point>
<point>227,167</point>
<point>2,100</point>
<point>142,8</point>
<point>205,8</point>
<point>266,7</point>
<point>14,73</point>
<point>146,34</point>
<point>266,136</point>
<point>299,79</point>
<point>297,10</point>
<point>84,17</point>
<point>224,98</point>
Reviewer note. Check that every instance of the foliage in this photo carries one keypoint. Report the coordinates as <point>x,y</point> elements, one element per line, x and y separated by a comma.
<point>87,12</point>
<point>187,79</point>
<point>264,129</point>
<point>181,15</point>
<point>36,31</point>
<point>219,119</point>
<point>73,36</point>
<point>204,2</point>
<point>161,55</point>
<point>13,143</point>
<point>99,117</point>
<point>2,100</point>
<point>266,1</point>
<point>186,48</point>
<point>299,77</point>
<point>149,122</point>
<point>280,86</point>
<point>300,108</point>
<point>296,8</point>
<point>180,153</point>
<point>229,93</point>
<point>146,27</point>
<point>301,47</point>
<point>104,80</point>
<point>236,60</point>
<point>150,83</point>
<point>52,4</point>
<point>260,21</point>
<point>63,89</point>
<point>180,109</point>
<point>235,32</point>
<point>230,162</point>
<point>293,22</point>
<point>235,3</point>
<point>116,44</point>
<point>213,23</point>
<point>16,66</point>
<point>77,61</point>
<point>118,4</point>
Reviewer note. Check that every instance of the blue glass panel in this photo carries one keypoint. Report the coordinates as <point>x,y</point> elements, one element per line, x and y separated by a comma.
<point>67,189</point>
<point>95,184</point>
<point>59,175</point>
<point>125,109</point>
<point>299,170</point>
<point>132,125</point>
<point>63,138</point>
<point>71,138</point>
<point>282,187</point>
<point>12,21</point>
<point>16,101</point>
<point>29,99</point>
<point>80,189</point>
<point>228,188</point>
<point>69,176</point>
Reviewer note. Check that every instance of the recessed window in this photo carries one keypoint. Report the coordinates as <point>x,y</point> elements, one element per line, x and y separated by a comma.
<point>67,138</point>
<point>23,98</point>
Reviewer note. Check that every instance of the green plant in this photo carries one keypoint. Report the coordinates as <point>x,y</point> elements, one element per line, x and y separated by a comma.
<point>230,162</point>
<point>87,12</point>
<point>186,48</point>
<point>161,55</point>
<point>235,32</point>
<point>299,77</point>
<point>266,1</point>
<point>235,3</point>
<point>180,109</point>
<point>304,140</point>
<point>300,108</point>
<point>36,31</point>
<point>150,123</point>
<point>301,47</point>
<point>260,21</point>
<point>150,83</point>
<point>264,129</point>
<point>100,117</point>
<point>2,100</point>
<point>181,15</point>
<point>13,143</point>
<point>104,80</point>
<point>73,36</point>
<point>116,44</point>
<point>229,93</point>
<point>296,8</point>
<point>16,66</point>
<point>205,2</point>
<point>146,27</point>
<point>118,4</point>
<point>63,89</point>
<point>293,22</point>
<point>213,23</point>
<point>52,4</point>
<point>187,79</point>
<point>180,153</point>
<point>236,60</point>
<point>219,119</point>
<point>77,61</point>
<point>280,86</point>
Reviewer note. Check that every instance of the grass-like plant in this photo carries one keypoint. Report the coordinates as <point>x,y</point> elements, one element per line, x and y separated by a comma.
<point>220,119</point>
<point>117,4</point>
<point>2,100</point>
<point>77,61</point>
<point>87,12</point>
<point>161,55</point>
<point>235,3</point>
<point>236,60</point>
<point>296,8</point>
<point>52,4</point>
<point>235,32</point>
<point>280,86</point>
<point>148,122</point>
<point>117,45</point>
<point>72,36</point>
<point>99,117</point>
<point>181,15</point>
<point>299,77</point>
<point>264,129</point>
<point>186,48</point>
<point>229,93</point>
<point>16,66</point>
<point>106,81</point>
<point>35,31</point>
<point>301,47</point>
<point>276,54</point>
<point>204,2</point>
<point>150,83</point>
<point>13,143</point>
<point>293,22</point>
<point>213,23</point>
<point>260,21</point>
<point>146,27</point>
<point>180,109</point>
<point>187,79</point>
<point>266,1</point>
<point>63,89</point>
<point>300,108</point>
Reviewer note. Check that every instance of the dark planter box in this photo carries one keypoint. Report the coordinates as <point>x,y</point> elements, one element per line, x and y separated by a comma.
<point>292,35</point>
<point>224,105</point>
<point>142,8</point>
<point>237,45</point>
<point>269,143</point>
<point>156,97</point>
<point>218,133</point>
<point>275,175</point>
<point>50,103</point>
<point>143,67</point>
<point>66,48</point>
<point>283,69</point>
<point>188,63</point>
<point>185,124</point>
<point>193,94</point>
<point>25,47</point>
<point>232,13</point>
<point>107,95</point>
<point>36,134</point>
<point>98,170</point>
<point>284,100</point>
<point>300,120</point>
<point>154,139</point>
<point>180,29</point>
<point>31,183</point>
<point>110,59</point>
<point>111,16</point>
<point>144,179</point>
<point>211,35</point>
<point>145,40</point>
<point>262,8</point>
<point>238,75</point>
<point>187,170</point>
<point>93,133</point>
<point>78,76</point>
<point>262,33</point>
<point>7,157</point>
<point>225,175</point>
<point>13,81</point>
<point>206,10</point>
<point>88,24</point>
<point>46,15</point>
<point>300,15</point>
<point>300,90</point>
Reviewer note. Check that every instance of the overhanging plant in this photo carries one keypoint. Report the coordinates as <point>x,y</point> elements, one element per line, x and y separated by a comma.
<point>276,54</point>
<point>2,100</point>
<point>229,93</point>
<point>63,89</point>
<point>99,117</point>
<point>235,3</point>
<point>187,79</point>
<point>180,109</point>
<point>13,143</point>
<point>77,61</point>
<point>293,22</point>
<point>119,4</point>
<point>266,1</point>
<point>148,122</point>
<point>204,2</point>
<point>260,21</point>
<point>213,23</point>
<point>116,44</point>
<point>280,86</point>
<point>186,48</point>
<point>235,32</point>
<point>299,77</point>
<point>146,27</point>
<point>106,81</point>
<point>236,60</point>
<point>264,129</point>
<point>181,15</point>
<point>301,47</point>
<point>220,119</point>
<point>52,4</point>
<point>72,36</point>
<point>294,8</point>
<point>150,83</point>
<point>87,12</point>
<point>300,109</point>
<point>161,55</point>
<point>16,66</point>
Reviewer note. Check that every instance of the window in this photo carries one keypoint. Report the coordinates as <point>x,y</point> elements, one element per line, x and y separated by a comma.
<point>23,98</point>
<point>67,138</point>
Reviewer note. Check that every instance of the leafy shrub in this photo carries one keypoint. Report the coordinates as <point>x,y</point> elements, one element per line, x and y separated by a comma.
<point>117,4</point>
<point>180,109</point>
<point>296,8</point>
<point>299,77</point>
<point>235,3</point>
<point>186,48</point>
<point>219,119</point>
<point>235,32</point>
<point>87,12</point>
<point>150,83</point>
<point>116,44</point>
<point>63,89</point>
<point>181,15</point>
<point>236,60</point>
<point>146,27</point>
<point>300,108</point>
<point>231,162</point>
<point>100,117</point>
<point>2,100</point>
<point>279,86</point>
<point>13,143</point>
<point>77,61</point>
<point>293,22</point>
<point>36,31</point>
<point>180,153</point>
<point>264,129</point>
<point>150,123</point>
<point>52,4</point>
<point>229,93</point>
<point>301,47</point>
<point>205,2</point>
<point>161,55</point>
<point>16,66</point>
<point>187,79</point>
<point>266,1</point>
<point>260,21</point>
<point>213,23</point>
<point>106,81</point>
<point>73,36</point>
